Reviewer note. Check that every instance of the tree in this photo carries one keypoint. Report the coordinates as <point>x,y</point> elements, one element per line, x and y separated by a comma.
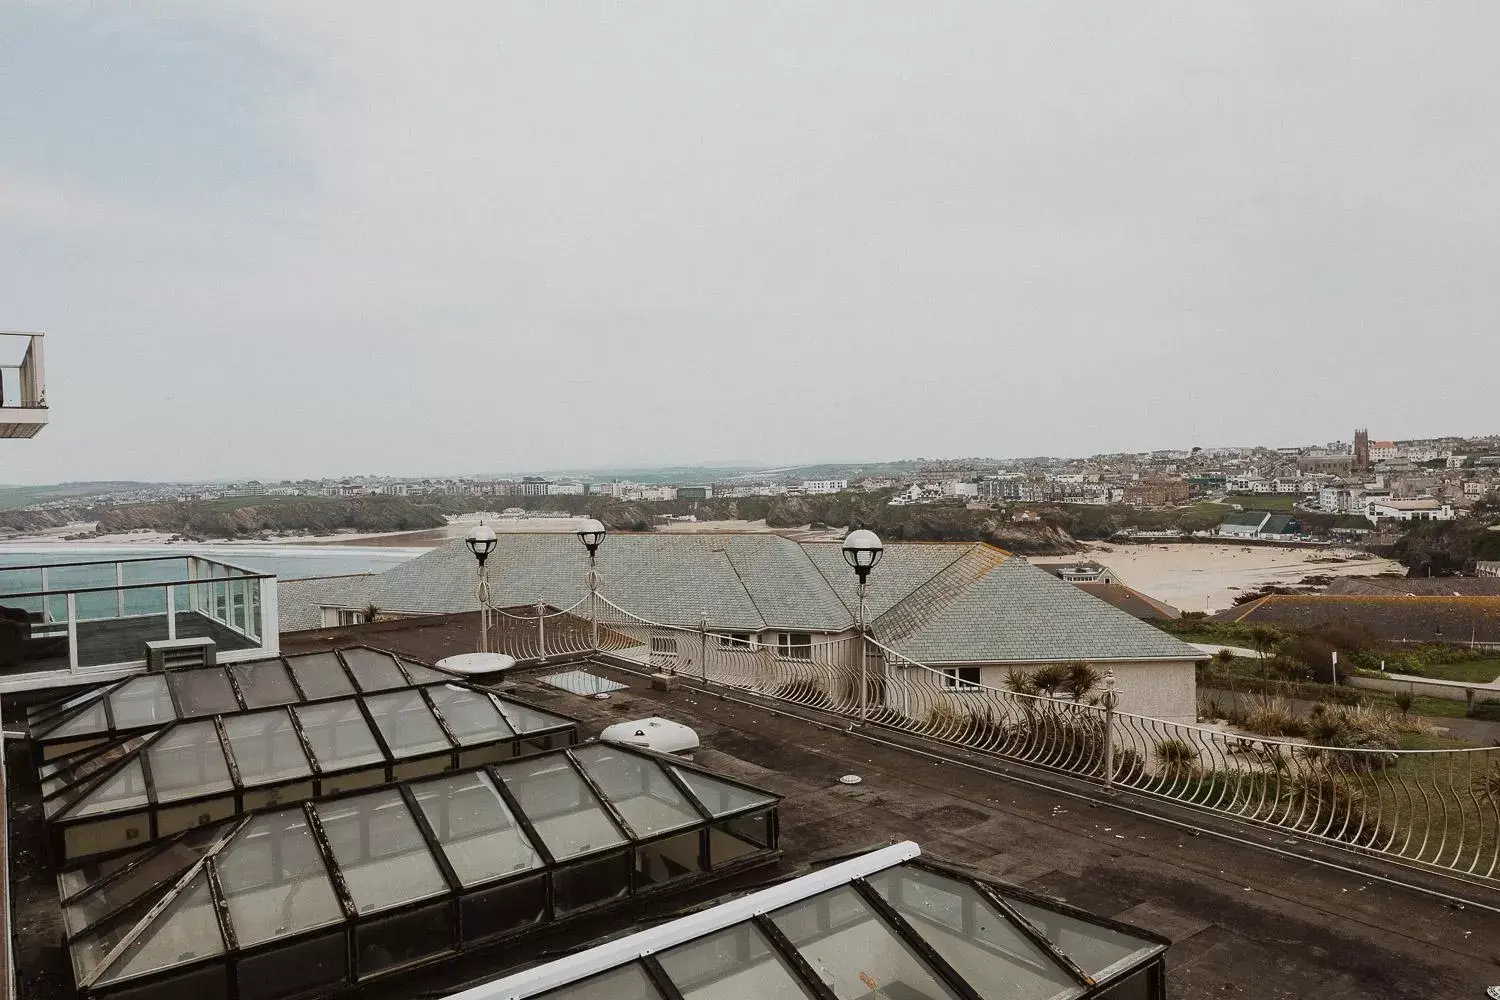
<point>1081,679</point>
<point>1049,678</point>
<point>371,612</point>
<point>1263,640</point>
<point>1020,681</point>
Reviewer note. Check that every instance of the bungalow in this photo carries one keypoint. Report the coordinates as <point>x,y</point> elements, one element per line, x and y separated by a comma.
<point>1421,509</point>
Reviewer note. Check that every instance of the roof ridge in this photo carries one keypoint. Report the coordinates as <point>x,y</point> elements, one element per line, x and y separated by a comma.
<point>749,596</point>
<point>912,618</point>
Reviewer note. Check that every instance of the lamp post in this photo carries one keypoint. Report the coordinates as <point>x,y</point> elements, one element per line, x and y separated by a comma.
<point>481,541</point>
<point>591,533</point>
<point>862,550</point>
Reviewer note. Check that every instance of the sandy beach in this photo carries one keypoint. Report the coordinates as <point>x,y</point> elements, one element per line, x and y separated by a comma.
<point>1209,577</point>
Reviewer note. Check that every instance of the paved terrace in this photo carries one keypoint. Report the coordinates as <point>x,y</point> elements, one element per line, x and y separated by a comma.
<point>1244,920</point>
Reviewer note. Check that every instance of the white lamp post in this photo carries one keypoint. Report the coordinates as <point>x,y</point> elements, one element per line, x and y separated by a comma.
<point>591,533</point>
<point>862,550</point>
<point>481,541</point>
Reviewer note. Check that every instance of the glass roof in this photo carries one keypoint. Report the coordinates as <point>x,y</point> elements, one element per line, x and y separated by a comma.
<point>153,700</point>
<point>282,872</point>
<point>908,930</point>
<point>186,758</point>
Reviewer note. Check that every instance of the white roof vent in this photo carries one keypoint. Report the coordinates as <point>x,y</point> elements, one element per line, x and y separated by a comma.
<point>655,733</point>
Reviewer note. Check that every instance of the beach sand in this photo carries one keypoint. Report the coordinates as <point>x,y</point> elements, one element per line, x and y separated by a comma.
<point>1209,577</point>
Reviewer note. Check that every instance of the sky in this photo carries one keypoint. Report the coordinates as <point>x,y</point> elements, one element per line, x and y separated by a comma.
<point>277,240</point>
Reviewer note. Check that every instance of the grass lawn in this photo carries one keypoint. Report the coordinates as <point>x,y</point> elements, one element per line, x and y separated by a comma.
<point>1277,503</point>
<point>1475,671</point>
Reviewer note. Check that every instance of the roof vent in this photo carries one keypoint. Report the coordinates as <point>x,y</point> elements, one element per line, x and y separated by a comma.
<point>655,733</point>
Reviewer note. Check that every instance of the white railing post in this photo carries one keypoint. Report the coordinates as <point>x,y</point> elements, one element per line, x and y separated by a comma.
<point>541,631</point>
<point>72,631</point>
<point>702,648</point>
<point>1109,700</point>
<point>46,603</point>
<point>171,612</point>
<point>119,590</point>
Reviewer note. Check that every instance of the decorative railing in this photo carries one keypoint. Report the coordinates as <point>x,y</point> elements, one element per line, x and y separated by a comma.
<point>1437,809</point>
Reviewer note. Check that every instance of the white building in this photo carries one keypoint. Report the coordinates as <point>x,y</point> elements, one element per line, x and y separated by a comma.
<point>565,489</point>
<point>954,488</point>
<point>825,486</point>
<point>1382,451</point>
<point>1422,509</point>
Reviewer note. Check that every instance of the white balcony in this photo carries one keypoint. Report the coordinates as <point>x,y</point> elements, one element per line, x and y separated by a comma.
<point>23,385</point>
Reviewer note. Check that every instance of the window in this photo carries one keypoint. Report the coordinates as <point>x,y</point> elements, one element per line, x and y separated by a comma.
<point>962,678</point>
<point>794,645</point>
<point>735,640</point>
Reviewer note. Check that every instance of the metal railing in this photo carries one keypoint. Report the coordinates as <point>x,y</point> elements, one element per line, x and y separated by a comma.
<point>22,385</point>
<point>1436,809</point>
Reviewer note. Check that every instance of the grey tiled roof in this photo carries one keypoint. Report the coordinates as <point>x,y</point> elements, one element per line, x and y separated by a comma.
<point>300,603</point>
<point>1019,613</point>
<point>936,602</point>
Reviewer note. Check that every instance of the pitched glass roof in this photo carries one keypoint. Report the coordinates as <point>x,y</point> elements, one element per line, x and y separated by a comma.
<point>876,926</point>
<point>190,758</point>
<point>339,862</point>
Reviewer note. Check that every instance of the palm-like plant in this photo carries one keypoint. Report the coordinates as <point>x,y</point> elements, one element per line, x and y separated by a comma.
<point>1020,681</point>
<point>1080,680</point>
<point>1049,678</point>
<point>371,612</point>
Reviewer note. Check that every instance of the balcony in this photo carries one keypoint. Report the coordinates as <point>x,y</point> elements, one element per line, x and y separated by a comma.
<point>80,623</point>
<point>23,387</point>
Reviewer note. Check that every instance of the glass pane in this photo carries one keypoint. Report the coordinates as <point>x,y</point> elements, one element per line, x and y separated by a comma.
<point>560,806</point>
<point>75,880</point>
<point>188,762</point>
<point>406,723</point>
<point>972,936</point>
<point>731,964</point>
<point>292,969</point>
<point>91,720</point>
<point>470,714</point>
<point>274,879</point>
<point>1091,947</point>
<point>84,766</point>
<point>374,671</point>
<point>503,908</point>
<point>264,683</point>
<point>380,851</point>
<point>204,691</point>
<point>161,868</point>
<point>320,675</point>
<point>125,790</point>
<point>853,951</point>
<point>266,748</point>
<point>628,982</point>
<point>525,719</point>
<point>42,716</point>
<point>598,879</point>
<point>400,940</point>
<point>639,789</point>
<point>478,834</point>
<point>424,675</point>
<point>720,797</point>
<point>89,951</point>
<point>338,735</point>
<point>142,701</point>
<point>666,858</point>
<point>186,931</point>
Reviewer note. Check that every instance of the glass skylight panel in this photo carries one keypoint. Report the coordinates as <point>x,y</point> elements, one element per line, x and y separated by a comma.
<point>720,798</point>
<point>525,719</point>
<point>186,931</point>
<point>203,691</point>
<point>380,850</point>
<point>407,723</point>
<point>972,936</point>
<point>424,675</point>
<point>75,880</point>
<point>338,735</point>
<point>41,716</point>
<point>142,701</point>
<point>475,828</point>
<point>628,982</point>
<point>274,879</point>
<point>86,723</point>
<point>560,806</point>
<point>639,789</point>
<point>732,964</point>
<point>125,789</point>
<point>320,675</point>
<point>188,762</point>
<point>856,954</point>
<point>91,949</point>
<point>264,683</point>
<point>470,714</point>
<point>1093,948</point>
<point>113,896</point>
<point>374,671</point>
<point>265,747</point>
<point>77,771</point>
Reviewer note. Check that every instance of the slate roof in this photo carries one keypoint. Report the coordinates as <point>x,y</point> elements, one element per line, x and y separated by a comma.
<point>1438,586</point>
<point>944,601</point>
<point>1392,618</point>
<point>1130,600</point>
<point>299,603</point>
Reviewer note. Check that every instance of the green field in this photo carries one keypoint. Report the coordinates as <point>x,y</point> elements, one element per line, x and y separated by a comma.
<point>1277,503</point>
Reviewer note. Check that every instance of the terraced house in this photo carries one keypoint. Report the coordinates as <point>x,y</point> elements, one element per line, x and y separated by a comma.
<point>971,611</point>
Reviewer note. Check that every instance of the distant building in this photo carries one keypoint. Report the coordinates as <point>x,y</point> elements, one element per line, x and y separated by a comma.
<point>1156,493</point>
<point>565,489</point>
<point>1383,451</point>
<point>1423,509</point>
<point>695,492</point>
<point>533,486</point>
<point>1361,450</point>
<point>812,486</point>
<point>1244,524</point>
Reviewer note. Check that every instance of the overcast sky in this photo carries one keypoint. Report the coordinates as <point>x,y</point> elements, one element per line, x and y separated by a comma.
<point>336,238</point>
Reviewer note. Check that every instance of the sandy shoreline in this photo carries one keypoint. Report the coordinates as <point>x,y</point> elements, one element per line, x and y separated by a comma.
<point>1194,577</point>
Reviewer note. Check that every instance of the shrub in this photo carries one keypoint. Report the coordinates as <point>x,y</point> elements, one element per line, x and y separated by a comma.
<point>1489,709</point>
<point>1020,681</point>
<point>1328,806</point>
<point>1224,656</point>
<point>1081,679</point>
<point>1404,700</point>
<point>1274,717</point>
<point>1177,758</point>
<point>1050,678</point>
<point>1487,785</point>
